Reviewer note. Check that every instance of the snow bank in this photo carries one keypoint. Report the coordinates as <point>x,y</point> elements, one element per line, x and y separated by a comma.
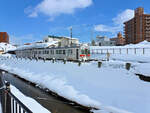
<point>29,102</point>
<point>110,88</point>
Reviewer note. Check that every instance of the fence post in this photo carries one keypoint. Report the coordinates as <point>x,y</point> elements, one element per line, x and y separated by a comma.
<point>113,51</point>
<point>134,50</point>
<point>120,51</point>
<point>143,51</point>
<point>7,105</point>
<point>127,50</point>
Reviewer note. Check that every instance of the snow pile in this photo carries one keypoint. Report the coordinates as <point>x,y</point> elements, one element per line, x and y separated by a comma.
<point>37,45</point>
<point>110,88</point>
<point>6,47</point>
<point>29,102</point>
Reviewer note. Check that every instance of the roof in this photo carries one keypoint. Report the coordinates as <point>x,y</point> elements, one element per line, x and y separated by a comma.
<point>37,45</point>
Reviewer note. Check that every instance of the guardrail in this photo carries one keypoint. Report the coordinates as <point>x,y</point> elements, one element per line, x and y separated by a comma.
<point>135,51</point>
<point>10,103</point>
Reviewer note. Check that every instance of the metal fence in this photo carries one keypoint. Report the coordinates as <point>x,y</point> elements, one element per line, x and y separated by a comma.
<point>10,103</point>
<point>135,51</point>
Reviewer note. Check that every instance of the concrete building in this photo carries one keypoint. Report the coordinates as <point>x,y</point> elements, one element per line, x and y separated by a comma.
<point>120,40</point>
<point>4,37</point>
<point>138,28</point>
<point>104,41</point>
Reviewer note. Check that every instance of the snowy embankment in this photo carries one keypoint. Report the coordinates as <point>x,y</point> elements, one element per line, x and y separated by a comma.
<point>110,88</point>
<point>29,102</point>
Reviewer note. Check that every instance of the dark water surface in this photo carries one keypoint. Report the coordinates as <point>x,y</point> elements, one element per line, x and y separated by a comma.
<point>48,101</point>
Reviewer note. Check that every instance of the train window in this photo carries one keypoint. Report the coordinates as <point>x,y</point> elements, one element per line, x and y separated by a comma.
<point>82,51</point>
<point>64,52</point>
<point>70,51</point>
<point>57,52</point>
<point>60,51</point>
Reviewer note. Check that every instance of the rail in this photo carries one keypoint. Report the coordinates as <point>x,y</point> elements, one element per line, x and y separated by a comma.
<point>9,102</point>
<point>135,51</point>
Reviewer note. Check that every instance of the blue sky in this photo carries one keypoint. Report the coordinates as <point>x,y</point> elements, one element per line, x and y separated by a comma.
<point>31,20</point>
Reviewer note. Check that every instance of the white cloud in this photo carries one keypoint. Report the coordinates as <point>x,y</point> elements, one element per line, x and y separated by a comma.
<point>117,22</point>
<point>54,8</point>
<point>123,16</point>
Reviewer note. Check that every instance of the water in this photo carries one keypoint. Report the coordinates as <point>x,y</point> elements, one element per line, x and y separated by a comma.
<point>48,101</point>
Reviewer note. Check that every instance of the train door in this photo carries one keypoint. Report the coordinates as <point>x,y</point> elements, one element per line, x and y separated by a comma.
<point>77,54</point>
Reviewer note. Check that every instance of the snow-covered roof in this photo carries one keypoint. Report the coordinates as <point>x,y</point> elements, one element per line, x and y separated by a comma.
<point>6,47</point>
<point>37,45</point>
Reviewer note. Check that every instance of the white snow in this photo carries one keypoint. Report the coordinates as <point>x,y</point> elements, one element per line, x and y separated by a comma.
<point>110,88</point>
<point>34,106</point>
<point>37,45</point>
<point>6,47</point>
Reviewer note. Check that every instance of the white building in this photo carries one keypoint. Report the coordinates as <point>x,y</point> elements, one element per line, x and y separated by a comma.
<point>62,41</point>
<point>104,41</point>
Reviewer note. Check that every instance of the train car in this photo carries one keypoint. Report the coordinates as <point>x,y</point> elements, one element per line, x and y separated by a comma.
<point>68,53</point>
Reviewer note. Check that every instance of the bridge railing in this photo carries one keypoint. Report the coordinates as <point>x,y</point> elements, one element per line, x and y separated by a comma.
<point>9,102</point>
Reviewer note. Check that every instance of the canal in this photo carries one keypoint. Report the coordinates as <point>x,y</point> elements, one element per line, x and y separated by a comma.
<point>48,101</point>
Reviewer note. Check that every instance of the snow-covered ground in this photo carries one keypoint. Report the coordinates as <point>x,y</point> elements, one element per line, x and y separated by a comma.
<point>34,106</point>
<point>110,88</point>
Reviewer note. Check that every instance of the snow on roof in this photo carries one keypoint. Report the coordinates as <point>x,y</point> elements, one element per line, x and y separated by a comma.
<point>37,45</point>
<point>6,47</point>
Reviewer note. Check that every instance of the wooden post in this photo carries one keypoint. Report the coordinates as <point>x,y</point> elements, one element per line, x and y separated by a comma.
<point>128,66</point>
<point>79,63</point>
<point>64,61</point>
<point>99,64</point>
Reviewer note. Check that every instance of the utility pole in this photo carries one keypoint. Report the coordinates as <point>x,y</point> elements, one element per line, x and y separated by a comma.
<point>71,35</point>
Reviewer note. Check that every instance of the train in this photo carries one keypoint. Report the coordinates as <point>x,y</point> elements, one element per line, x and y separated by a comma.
<point>73,53</point>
